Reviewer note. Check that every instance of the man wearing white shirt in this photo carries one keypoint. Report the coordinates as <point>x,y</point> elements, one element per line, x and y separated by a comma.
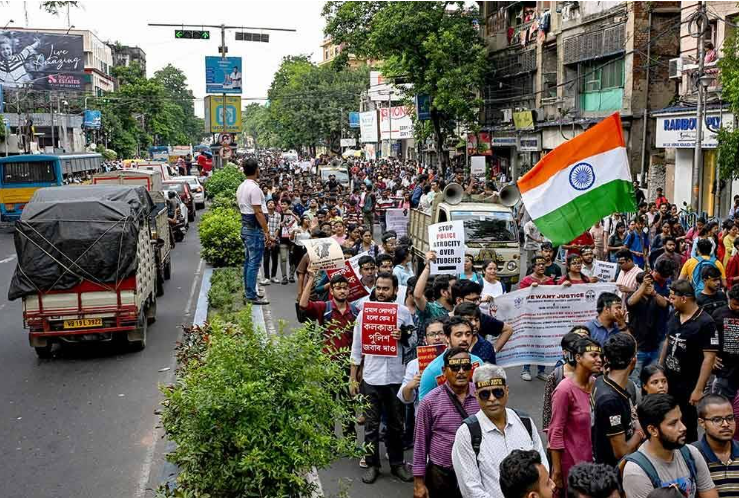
<point>381,380</point>
<point>254,228</point>
<point>503,430</point>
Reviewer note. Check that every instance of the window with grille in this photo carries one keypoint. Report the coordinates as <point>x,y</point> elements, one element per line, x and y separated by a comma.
<point>600,75</point>
<point>28,172</point>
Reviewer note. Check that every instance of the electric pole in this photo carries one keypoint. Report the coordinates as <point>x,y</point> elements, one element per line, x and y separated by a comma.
<point>697,198</point>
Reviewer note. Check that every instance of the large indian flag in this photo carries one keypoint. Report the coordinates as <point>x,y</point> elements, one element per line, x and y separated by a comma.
<point>580,182</point>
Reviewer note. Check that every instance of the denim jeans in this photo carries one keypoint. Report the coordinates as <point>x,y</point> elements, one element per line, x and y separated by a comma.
<point>527,368</point>
<point>253,251</point>
<point>644,358</point>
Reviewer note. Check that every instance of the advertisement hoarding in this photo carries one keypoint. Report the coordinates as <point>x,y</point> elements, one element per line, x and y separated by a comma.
<point>423,107</point>
<point>222,75</point>
<point>368,126</point>
<point>93,119</point>
<point>214,114</point>
<point>353,120</point>
<point>42,61</point>
<point>402,125</point>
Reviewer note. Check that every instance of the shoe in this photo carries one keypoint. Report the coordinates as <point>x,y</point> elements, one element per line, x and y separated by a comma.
<point>284,280</point>
<point>264,281</point>
<point>402,473</point>
<point>258,302</point>
<point>292,280</point>
<point>526,376</point>
<point>541,376</point>
<point>275,280</point>
<point>363,463</point>
<point>370,475</point>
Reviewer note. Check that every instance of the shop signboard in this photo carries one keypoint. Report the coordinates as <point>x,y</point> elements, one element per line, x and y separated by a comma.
<point>529,143</point>
<point>679,131</point>
<point>402,125</point>
<point>504,141</point>
<point>42,61</point>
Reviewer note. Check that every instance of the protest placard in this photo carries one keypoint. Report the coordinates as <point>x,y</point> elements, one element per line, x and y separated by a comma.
<point>351,271</point>
<point>477,166</point>
<point>447,239</point>
<point>324,254</point>
<point>397,220</point>
<point>427,354</point>
<point>605,271</point>
<point>379,320</point>
<point>540,316</point>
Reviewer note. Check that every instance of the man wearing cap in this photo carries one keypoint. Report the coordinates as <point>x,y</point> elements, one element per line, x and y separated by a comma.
<point>439,416</point>
<point>503,430</point>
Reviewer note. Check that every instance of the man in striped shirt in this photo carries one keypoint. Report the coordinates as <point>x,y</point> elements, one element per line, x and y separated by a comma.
<point>626,280</point>
<point>439,416</point>
<point>721,452</point>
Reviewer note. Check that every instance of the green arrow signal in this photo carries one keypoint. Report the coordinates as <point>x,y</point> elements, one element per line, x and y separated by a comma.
<point>205,35</point>
<point>179,33</point>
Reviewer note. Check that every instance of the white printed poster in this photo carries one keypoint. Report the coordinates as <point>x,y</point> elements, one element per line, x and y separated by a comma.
<point>397,220</point>
<point>324,254</point>
<point>540,316</point>
<point>447,240</point>
<point>368,126</point>
<point>477,166</point>
<point>605,271</point>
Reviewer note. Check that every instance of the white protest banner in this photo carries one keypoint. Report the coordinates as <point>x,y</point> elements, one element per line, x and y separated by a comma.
<point>397,220</point>
<point>324,254</point>
<point>477,166</point>
<point>540,316</point>
<point>605,271</point>
<point>447,239</point>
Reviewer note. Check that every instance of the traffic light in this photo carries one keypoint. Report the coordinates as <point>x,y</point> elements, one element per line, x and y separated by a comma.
<point>189,34</point>
<point>255,37</point>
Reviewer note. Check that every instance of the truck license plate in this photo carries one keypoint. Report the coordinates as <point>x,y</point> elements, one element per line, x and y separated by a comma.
<point>83,323</point>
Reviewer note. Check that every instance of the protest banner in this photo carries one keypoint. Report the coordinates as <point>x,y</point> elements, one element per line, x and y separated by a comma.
<point>427,354</point>
<point>324,254</point>
<point>397,220</point>
<point>605,271</point>
<point>447,239</point>
<point>351,271</point>
<point>540,316</point>
<point>379,321</point>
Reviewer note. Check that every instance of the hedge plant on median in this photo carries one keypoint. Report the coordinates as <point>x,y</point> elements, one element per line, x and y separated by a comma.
<point>252,415</point>
<point>220,237</point>
<point>224,181</point>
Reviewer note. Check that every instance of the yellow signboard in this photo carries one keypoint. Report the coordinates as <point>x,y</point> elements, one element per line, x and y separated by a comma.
<point>220,118</point>
<point>523,120</point>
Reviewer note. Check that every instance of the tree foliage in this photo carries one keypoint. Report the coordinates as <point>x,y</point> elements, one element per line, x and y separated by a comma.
<point>309,104</point>
<point>728,138</point>
<point>147,111</point>
<point>256,119</point>
<point>435,46</point>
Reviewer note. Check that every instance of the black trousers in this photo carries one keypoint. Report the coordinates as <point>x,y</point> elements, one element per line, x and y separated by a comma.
<point>271,256</point>
<point>383,399</point>
<point>441,482</point>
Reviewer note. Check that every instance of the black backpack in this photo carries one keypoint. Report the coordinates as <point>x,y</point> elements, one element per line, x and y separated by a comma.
<point>476,431</point>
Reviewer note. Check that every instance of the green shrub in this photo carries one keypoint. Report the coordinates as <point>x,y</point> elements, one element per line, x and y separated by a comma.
<point>225,180</point>
<point>226,292</point>
<point>254,414</point>
<point>220,237</point>
<point>224,199</point>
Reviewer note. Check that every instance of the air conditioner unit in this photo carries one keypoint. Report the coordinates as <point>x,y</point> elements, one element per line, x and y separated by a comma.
<point>507,115</point>
<point>676,68</point>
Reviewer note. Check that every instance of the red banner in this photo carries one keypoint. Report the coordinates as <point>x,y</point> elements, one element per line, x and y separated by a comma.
<point>427,354</point>
<point>356,289</point>
<point>379,320</point>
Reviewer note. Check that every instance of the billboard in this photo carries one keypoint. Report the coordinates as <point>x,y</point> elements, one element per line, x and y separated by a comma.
<point>353,120</point>
<point>222,75</point>
<point>402,125</point>
<point>368,126</point>
<point>423,107</point>
<point>43,61</point>
<point>220,118</point>
<point>93,119</point>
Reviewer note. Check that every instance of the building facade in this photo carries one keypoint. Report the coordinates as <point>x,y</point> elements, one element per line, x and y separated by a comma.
<point>560,67</point>
<point>124,55</point>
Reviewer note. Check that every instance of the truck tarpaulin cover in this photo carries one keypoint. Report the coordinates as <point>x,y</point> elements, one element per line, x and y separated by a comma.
<point>67,234</point>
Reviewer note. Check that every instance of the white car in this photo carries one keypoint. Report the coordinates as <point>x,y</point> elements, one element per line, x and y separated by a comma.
<point>198,191</point>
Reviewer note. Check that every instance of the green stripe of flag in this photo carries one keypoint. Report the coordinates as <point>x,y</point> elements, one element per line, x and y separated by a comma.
<point>569,221</point>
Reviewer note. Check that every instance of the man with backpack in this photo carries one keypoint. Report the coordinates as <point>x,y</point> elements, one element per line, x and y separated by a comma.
<point>484,440</point>
<point>693,268</point>
<point>337,314</point>
<point>665,460</point>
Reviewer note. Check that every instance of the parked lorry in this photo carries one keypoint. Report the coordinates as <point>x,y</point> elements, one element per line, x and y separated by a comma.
<point>158,220</point>
<point>86,266</point>
<point>490,228</point>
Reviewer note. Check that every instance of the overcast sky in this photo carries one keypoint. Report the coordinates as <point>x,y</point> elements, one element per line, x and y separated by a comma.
<point>126,22</point>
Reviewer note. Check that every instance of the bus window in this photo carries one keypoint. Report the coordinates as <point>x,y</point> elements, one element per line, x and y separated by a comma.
<point>28,172</point>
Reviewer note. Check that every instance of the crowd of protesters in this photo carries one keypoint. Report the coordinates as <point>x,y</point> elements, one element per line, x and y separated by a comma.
<point>632,389</point>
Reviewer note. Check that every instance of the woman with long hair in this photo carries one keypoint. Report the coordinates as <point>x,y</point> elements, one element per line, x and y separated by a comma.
<point>469,272</point>
<point>573,273</point>
<point>492,287</point>
<point>653,379</point>
<point>366,244</point>
<point>569,430</point>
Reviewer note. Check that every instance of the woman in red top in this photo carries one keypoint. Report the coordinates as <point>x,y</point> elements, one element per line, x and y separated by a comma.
<point>537,276</point>
<point>574,274</point>
<point>732,269</point>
